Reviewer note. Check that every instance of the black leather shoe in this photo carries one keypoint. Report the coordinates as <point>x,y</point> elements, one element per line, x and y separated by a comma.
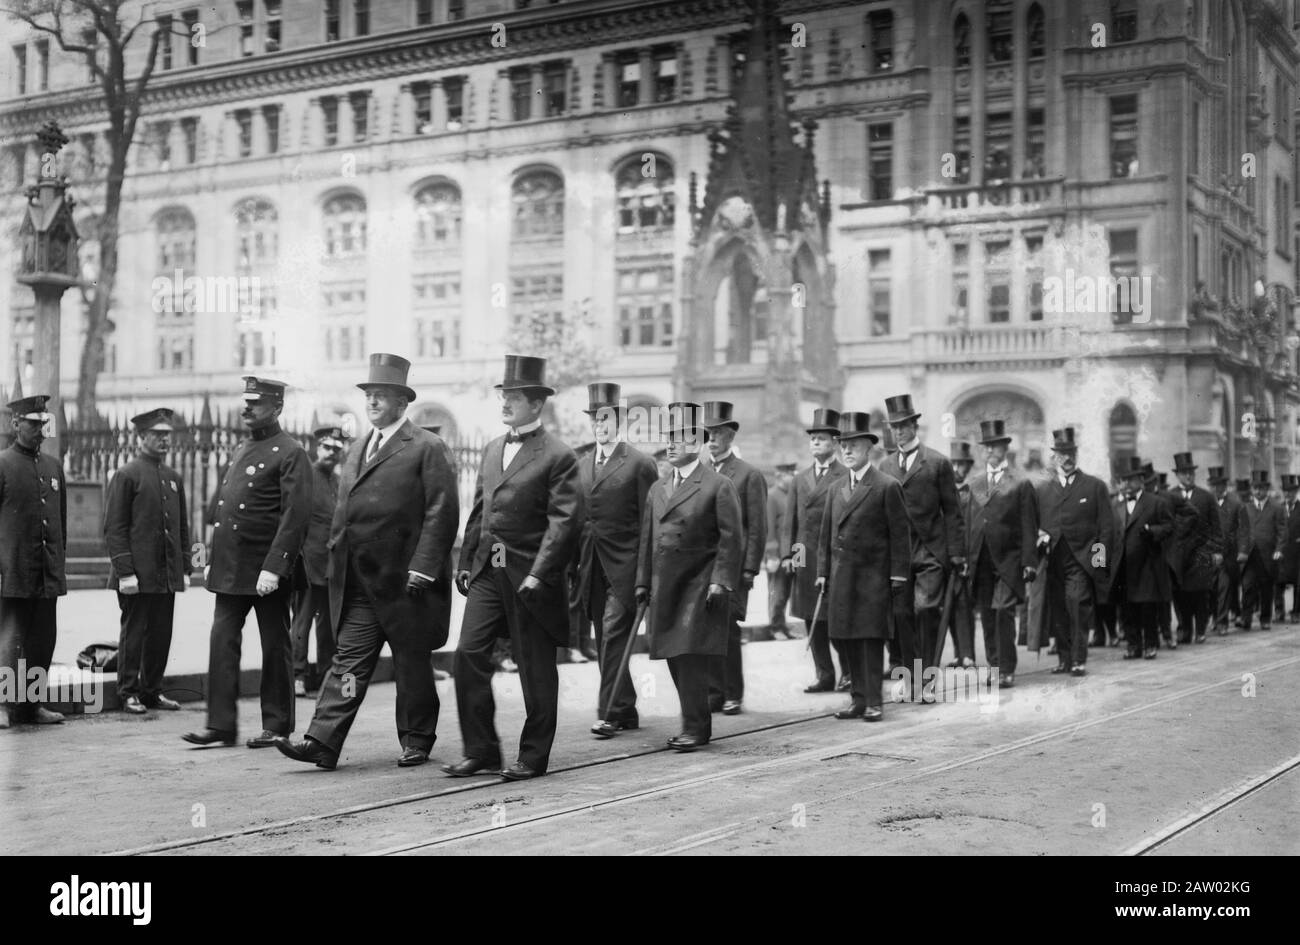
<point>852,712</point>
<point>1200,638</point>
<point>1132,654</point>
<point>169,705</point>
<point>873,714</point>
<point>686,742</point>
<point>134,706</point>
<point>608,728</point>
<point>731,707</point>
<point>312,752</point>
<point>1060,668</point>
<point>1150,654</point>
<point>412,757</point>
<point>210,737</point>
<point>1006,680</point>
<point>469,766</point>
<point>520,772</point>
<point>821,687</point>
<point>1266,626</point>
<point>1079,671</point>
<point>267,739</point>
<point>845,684</point>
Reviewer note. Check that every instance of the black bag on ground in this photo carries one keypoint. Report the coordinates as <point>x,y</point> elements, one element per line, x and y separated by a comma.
<point>101,657</point>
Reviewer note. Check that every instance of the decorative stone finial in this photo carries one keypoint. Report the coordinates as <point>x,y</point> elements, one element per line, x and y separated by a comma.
<point>51,137</point>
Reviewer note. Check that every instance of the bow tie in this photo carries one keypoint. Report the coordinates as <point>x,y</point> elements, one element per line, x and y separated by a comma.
<point>520,437</point>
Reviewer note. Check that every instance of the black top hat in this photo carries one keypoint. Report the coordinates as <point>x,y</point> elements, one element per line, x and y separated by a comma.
<point>1063,441</point>
<point>321,434</point>
<point>1149,471</point>
<point>854,425</point>
<point>1243,485</point>
<point>1217,475</point>
<point>434,428</point>
<point>1183,462</point>
<point>389,370</point>
<point>1132,466</point>
<point>31,408</point>
<point>601,396</point>
<point>1163,479</point>
<point>993,431</point>
<point>685,419</point>
<point>159,418</point>
<point>1290,482</point>
<point>259,389</point>
<point>786,467</point>
<point>525,373</point>
<point>825,420</point>
<point>717,413</point>
<point>900,408</point>
<point>1259,477</point>
<point>959,451</point>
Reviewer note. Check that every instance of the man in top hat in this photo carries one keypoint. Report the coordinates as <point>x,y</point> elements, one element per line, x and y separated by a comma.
<point>263,507</point>
<point>1290,560</point>
<point>661,462</point>
<point>938,536</point>
<point>519,539</point>
<point>800,534</point>
<point>581,643</point>
<point>33,550</point>
<point>1157,484</point>
<point>1003,533</point>
<point>1234,529</point>
<point>390,572</point>
<point>1141,574</point>
<point>1076,532</point>
<point>615,480</point>
<point>864,559</point>
<point>1197,551</point>
<point>1244,490</point>
<point>778,579</point>
<point>962,619</point>
<point>691,553</point>
<point>311,595</point>
<point>147,533</point>
<point>1267,537</point>
<point>727,675</point>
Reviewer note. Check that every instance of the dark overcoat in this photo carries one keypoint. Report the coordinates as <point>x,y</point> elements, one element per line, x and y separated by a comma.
<point>865,541</point>
<point>315,549</point>
<point>801,532</point>
<point>930,490</point>
<point>395,514</point>
<point>263,508</point>
<point>1197,538</point>
<point>1140,555</point>
<point>147,526</point>
<point>614,504</point>
<point>33,524</point>
<point>751,489</point>
<point>1004,525</point>
<point>1235,528</point>
<point>1267,532</point>
<point>689,540</point>
<point>1290,563</point>
<point>527,519</point>
<point>1081,515</point>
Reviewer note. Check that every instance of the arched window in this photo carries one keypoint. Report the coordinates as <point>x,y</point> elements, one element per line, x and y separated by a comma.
<point>1123,437</point>
<point>1123,21</point>
<point>961,41</point>
<point>257,241</point>
<point>1000,28</point>
<point>345,226</point>
<point>645,193</point>
<point>1034,22</point>
<point>538,199</point>
<point>437,216</point>
<point>435,415</point>
<point>176,237</point>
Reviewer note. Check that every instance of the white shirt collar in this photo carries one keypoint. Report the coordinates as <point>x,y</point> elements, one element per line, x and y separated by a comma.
<point>1134,498</point>
<point>606,451</point>
<point>910,445</point>
<point>857,474</point>
<point>719,460</point>
<point>685,472</point>
<point>817,464</point>
<point>1001,467</point>
<point>527,427</point>
<point>388,431</point>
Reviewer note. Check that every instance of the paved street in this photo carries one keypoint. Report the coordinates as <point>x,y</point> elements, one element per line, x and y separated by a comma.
<point>1104,765</point>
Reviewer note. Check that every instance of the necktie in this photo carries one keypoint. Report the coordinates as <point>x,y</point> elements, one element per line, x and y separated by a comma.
<point>677,481</point>
<point>818,474</point>
<point>853,483</point>
<point>907,460</point>
<point>600,459</point>
<point>374,446</point>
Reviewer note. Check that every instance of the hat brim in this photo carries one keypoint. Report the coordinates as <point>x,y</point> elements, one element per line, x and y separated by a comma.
<point>833,431</point>
<point>994,440</point>
<point>548,391</point>
<point>400,388</point>
<point>37,417</point>
<point>158,428</point>
<point>254,398</point>
<point>701,433</point>
<point>729,424</point>
<point>1065,448</point>
<point>1179,469</point>
<point>903,419</point>
<point>592,411</point>
<point>962,459</point>
<point>860,436</point>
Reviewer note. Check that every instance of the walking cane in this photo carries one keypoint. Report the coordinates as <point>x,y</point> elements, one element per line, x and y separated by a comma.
<point>945,616</point>
<point>627,656</point>
<point>817,609</point>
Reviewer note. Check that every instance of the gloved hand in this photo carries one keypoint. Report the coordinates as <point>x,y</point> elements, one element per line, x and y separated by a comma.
<point>1030,575</point>
<point>267,583</point>
<point>747,580</point>
<point>128,585</point>
<point>787,565</point>
<point>959,562</point>
<point>417,583</point>
<point>462,583</point>
<point>528,588</point>
<point>717,596</point>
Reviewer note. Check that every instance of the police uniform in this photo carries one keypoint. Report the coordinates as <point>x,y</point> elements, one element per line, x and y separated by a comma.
<point>262,513</point>
<point>33,549</point>
<point>147,533</point>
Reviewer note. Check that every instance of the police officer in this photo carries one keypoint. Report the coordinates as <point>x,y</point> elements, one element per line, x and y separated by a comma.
<point>311,599</point>
<point>147,533</point>
<point>263,508</point>
<point>33,549</point>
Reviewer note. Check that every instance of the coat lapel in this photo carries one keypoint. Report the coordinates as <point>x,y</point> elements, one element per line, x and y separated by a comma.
<point>917,461</point>
<point>684,491</point>
<point>396,443</point>
<point>528,450</point>
<point>616,459</point>
<point>853,498</point>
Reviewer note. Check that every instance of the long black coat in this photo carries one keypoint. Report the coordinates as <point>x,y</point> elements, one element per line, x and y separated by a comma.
<point>751,489</point>
<point>1004,525</point>
<point>33,524</point>
<point>690,540</point>
<point>147,526</point>
<point>1196,539</point>
<point>865,541</point>
<point>614,503</point>
<point>263,508</point>
<point>1081,516</point>
<point>930,489</point>
<point>1140,559</point>
<point>1234,527</point>
<point>1267,532</point>
<point>532,514</point>
<point>1290,562</point>
<point>315,549</point>
<point>801,532</point>
<point>395,514</point>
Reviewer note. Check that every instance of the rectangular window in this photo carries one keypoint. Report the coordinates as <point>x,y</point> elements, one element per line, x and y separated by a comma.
<point>455,10</point>
<point>665,63</point>
<point>645,304</point>
<point>162,132</point>
<point>880,151</point>
<point>423,12</point>
<point>454,91</point>
<point>878,291</point>
<point>1123,21</point>
<point>997,281</point>
<point>1001,30</point>
<point>521,93</point>
<point>361,14</point>
<point>344,322</point>
<point>271,117</point>
<point>1282,108</point>
<point>190,131</point>
<point>422,94</point>
<point>1123,136</point>
<point>1034,277</point>
<point>960,316</point>
<point>436,307</point>
<point>360,116</point>
<point>1282,215</point>
<point>554,78</point>
<point>191,20</point>
<point>1123,263</point>
<point>42,65</point>
<point>330,110</point>
<point>629,79</point>
<point>245,10</point>
<point>536,294</point>
<point>20,68</point>
<point>1035,145</point>
<point>332,21</point>
<point>997,147</point>
<point>165,42</point>
<point>244,120</point>
<point>961,148</point>
<point>1194,146</point>
<point>87,142</point>
<point>880,25</point>
<point>272,43</point>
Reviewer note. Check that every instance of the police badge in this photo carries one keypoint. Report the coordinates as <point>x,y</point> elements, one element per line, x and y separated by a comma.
<point>54,484</point>
<point>172,483</point>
